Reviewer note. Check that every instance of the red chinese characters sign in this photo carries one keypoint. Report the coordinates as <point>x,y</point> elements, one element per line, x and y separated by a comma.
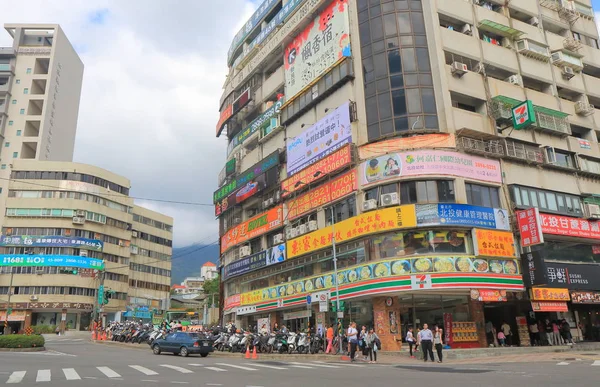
<point>448,329</point>
<point>232,301</point>
<point>326,193</point>
<point>568,226</point>
<point>258,225</point>
<point>530,227</point>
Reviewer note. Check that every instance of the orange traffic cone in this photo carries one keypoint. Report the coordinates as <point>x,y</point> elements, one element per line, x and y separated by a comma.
<point>93,335</point>
<point>254,354</point>
<point>104,336</point>
<point>247,352</point>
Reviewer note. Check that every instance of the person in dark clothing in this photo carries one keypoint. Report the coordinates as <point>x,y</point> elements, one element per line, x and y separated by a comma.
<point>427,342</point>
<point>565,331</point>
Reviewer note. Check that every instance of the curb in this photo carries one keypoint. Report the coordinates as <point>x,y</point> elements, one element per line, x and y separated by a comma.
<point>33,349</point>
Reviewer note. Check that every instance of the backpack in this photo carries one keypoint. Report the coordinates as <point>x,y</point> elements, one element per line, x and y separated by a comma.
<point>377,343</point>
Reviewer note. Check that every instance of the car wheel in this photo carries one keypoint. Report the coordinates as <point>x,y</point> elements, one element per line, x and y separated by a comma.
<point>204,354</point>
<point>183,351</point>
<point>156,350</point>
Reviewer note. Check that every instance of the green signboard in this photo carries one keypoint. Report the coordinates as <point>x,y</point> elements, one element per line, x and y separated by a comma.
<point>230,167</point>
<point>101,295</point>
<point>523,115</point>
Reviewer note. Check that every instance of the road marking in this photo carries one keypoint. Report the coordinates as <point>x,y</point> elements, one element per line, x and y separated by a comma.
<point>108,372</point>
<point>149,380</point>
<point>266,366</point>
<point>323,365</point>
<point>16,377</point>
<point>596,363</point>
<point>43,376</point>
<point>236,366</point>
<point>90,377</point>
<point>301,366</point>
<point>350,365</point>
<point>71,374</point>
<point>176,368</point>
<point>216,369</point>
<point>562,363</point>
<point>196,365</point>
<point>143,370</point>
<point>179,382</point>
<point>213,384</point>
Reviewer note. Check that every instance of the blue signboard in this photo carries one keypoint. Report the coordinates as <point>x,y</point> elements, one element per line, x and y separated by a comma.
<point>51,241</point>
<point>462,215</point>
<point>267,257</point>
<point>51,260</point>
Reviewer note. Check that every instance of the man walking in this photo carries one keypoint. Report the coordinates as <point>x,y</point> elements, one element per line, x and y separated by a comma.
<point>427,342</point>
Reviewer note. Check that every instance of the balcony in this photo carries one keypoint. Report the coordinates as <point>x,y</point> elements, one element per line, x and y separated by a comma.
<point>472,122</point>
<point>459,43</point>
<point>273,82</point>
<point>7,68</point>
<point>491,148</point>
<point>592,85</point>
<point>501,57</point>
<point>524,152</point>
<point>4,88</point>
<point>548,120</point>
<point>583,147</point>
<point>588,166</point>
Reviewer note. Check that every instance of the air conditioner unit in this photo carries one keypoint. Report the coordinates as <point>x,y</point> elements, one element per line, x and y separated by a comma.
<point>389,199</point>
<point>277,238</point>
<point>80,213</point>
<point>78,220</point>
<point>293,232</point>
<point>515,80</point>
<point>277,196</point>
<point>312,225</point>
<point>479,68</point>
<point>134,234</point>
<point>467,29</point>
<point>83,253</point>
<point>369,205</point>
<point>534,21</point>
<point>584,109</point>
<point>567,72</point>
<point>591,211</point>
<point>459,69</point>
<point>302,229</point>
<point>290,233</point>
<point>245,251</point>
<point>134,250</point>
<point>268,202</point>
<point>33,298</point>
<point>507,43</point>
<point>121,243</point>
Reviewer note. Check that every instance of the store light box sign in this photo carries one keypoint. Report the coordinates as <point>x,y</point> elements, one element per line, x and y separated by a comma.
<point>317,171</point>
<point>569,226</point>
<point>320,140</point>
<point>488,295</point>
<point>530,227</point>
<point>549,306</point>
<point>493,243</point>
<point>271,256</point>
<point>258,225</point>
<point>429,162</point>
<point>324,41</point>
<point>232,301</point>
<point>322,195</point>
<point>376,149</point>
<point>549,294</point>
<point>249,190</point>
<point>51,241</point>
<point>387,219</point>
<point>462,215</point>
<point>585,297</point>
<point>50,260</point>
<point>385,269</point>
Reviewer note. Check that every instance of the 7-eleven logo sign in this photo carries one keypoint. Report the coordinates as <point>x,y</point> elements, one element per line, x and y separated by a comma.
<point>420,281</point>
<point>523,115</point>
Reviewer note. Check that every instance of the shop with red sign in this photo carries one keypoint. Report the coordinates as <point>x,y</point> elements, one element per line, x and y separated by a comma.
<point>530,227</point>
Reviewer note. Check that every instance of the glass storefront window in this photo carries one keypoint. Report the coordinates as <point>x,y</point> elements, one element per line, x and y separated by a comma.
<point>402,244</point>
<point>567,251</point>
<point>419,309</point>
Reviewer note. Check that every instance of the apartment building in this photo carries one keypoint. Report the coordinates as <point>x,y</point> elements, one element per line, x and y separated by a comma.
<point>408,135</point>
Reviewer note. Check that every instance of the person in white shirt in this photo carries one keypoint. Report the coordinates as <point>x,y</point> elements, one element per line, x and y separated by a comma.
<point>410,339</point>
<point>427,342</point>
<point>352,339</point>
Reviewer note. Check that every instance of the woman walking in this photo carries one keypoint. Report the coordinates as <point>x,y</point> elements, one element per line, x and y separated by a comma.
<point>329,339</point>
<point>438,340</point>
<point>362,342</point>
<point>410,339</point>
<point>373,344</point>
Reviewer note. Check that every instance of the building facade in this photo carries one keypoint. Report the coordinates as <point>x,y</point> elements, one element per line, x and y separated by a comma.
<point>209,271</point>
<point>406,135</point>
<point>71,229</point>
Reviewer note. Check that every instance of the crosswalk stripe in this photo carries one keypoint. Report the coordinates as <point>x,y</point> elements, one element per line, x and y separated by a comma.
<point>108,372</point>
<point>143,370</point>
<point>236,366</point>
<point>266,366</point>
<point>324,365</point>
<point>71,374</point>
<point>176,368</point>
<point>16,377</point>
<point>562,363</point>
<point>43,376</point>
<point>350,365</point>
<point>216,369</point>
<point>301,366</point>
<point>596,363</point>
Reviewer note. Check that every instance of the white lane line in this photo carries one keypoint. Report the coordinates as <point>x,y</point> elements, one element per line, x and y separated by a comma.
<point>301,366</point>
<point>143,370</point>
<point>562,363</point>
<point>236,366</point>
<point>323,365</point>
<point>43,376</point>
<point>350,365</point>
<point>16,377</point>
<point>266,366</point>
<point>596,363</point>
<point>179,382</point>
<point>176,368</point>
<point>196,365</point>
<point>149,380</point>
<point>213,384</point>
<point>216,369</point>
<point>108,372</point>
<point>71,374</point>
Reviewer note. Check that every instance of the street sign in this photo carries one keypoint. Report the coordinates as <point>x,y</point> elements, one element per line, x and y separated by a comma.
<point>340,314</point>
<point>322,306</point>
<point>308,299</point>
<point>100,294</point>
<point>8,311</point>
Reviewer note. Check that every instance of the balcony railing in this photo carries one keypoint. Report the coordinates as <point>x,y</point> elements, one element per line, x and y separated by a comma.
<point>548,120</point>
<point>519,151</point>
<point>493,148</point>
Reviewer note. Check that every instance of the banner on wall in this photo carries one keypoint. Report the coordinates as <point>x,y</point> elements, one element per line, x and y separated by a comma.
<point>493,243</point>
<point>569,226</point>
<point>437,140</point>
<point>51,260</point>
<point>570,276</point>
<point>462,215</point>
<point>323,194</point>
<point>429,162</point>
<point>258,225</point>
<point>324,41</point>
<point>530,227</point>
<point>550,294</point>
<point>51,241</point>
<point>270,256</point>
<point>251,188</point>
<point>320,140</point>
<point>387,219</point>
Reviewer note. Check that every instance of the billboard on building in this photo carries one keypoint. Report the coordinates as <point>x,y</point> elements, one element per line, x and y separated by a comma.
<point>51,260</point>
<point>253,227</point>
<point>51,241</point>
<point>324,41</point>
<point>380,148</point>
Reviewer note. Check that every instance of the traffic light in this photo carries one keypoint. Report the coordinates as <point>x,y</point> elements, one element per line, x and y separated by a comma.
<point>68,270</point>
<point>108,294</point>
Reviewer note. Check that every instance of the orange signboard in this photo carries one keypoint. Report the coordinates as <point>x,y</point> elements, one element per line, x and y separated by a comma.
<point>381,148</point>
<point>326,193</point>
<point>329,164</point>
<point>258,225</point>
<point>549,294</point>
<point>225,115</point>
<point>549,306</point>
<point>392,218</point>
<point>492,243</point>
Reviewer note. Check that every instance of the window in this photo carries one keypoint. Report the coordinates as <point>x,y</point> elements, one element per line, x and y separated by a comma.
<point>14,101</point>
<point>25,91</point>
<point>18,132</point>
<point>6,144</point>
<point>17,81</point>
<point>428,191</point>
<point>402,244</point>
<point>3,166</point>
<point>343,210</point>
<point>546,201</point>
<point>22,111</point>
<point>576,36</point>
<point>481,195</point>
<point>28,71</point>
<point>10,123</point>
<point>15,155</point>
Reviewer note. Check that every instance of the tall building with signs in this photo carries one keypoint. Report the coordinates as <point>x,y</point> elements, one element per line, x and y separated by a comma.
<point>407,135</point>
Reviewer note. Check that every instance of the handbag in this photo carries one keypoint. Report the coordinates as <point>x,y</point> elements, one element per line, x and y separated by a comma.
<point>377,343</point>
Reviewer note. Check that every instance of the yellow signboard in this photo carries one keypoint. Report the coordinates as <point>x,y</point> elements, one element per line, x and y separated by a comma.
<point>386,219</point>
<point>494,243</point>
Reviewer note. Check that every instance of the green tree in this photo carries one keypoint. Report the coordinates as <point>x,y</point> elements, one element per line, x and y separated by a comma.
<point>211,287</point>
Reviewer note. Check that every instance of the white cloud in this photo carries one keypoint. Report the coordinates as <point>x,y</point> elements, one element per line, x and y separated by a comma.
<point>153,78</point>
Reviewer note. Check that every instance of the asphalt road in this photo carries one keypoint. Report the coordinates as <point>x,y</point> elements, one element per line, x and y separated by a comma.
<point>80,363</point>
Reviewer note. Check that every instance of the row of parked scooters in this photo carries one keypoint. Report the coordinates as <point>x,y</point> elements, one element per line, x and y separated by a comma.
<point>133,332</point>
<point>280,342</point>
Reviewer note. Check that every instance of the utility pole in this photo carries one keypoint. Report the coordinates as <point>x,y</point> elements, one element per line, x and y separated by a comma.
<point>8,308</point>
<point>335,276</point>
<point>98,303</point>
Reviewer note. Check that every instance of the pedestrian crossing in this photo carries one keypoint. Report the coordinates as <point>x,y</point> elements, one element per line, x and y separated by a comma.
<point>168,370</point>
<point>596,363</point>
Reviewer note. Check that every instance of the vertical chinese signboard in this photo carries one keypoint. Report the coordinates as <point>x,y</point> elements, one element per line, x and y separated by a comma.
<point>530,227</point>
<point>534,268</point>
<point>448,329</point>
<point>317,48</point>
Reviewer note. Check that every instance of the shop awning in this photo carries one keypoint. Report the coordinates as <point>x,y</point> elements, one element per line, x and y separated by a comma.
<point>499,29</point>
<point>540,109</point>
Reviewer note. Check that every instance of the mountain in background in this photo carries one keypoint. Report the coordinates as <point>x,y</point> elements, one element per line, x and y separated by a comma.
<point>188,260</point>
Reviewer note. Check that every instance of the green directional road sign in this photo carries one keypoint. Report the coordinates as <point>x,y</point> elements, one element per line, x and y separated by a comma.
<point>101,295</point>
